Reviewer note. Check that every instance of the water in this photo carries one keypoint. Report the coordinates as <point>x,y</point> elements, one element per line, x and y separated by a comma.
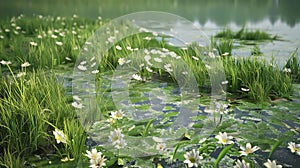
<point>274,16</point>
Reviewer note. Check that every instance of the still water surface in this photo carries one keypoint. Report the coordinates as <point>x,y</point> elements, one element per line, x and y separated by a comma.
<point>277,17</point>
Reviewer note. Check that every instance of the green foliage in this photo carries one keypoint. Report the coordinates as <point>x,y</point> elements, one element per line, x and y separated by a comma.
<point>245,34</point>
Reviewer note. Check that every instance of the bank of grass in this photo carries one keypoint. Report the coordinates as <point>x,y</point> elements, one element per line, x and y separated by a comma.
<point>30,106</point>
<point>44,41</point>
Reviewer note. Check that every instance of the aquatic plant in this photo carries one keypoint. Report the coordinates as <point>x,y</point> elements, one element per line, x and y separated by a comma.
<point>245,34</point>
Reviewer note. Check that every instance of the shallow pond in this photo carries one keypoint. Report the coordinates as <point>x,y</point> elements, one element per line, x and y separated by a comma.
<point>161,100</point>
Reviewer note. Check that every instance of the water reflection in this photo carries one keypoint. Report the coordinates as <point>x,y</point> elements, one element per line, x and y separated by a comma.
<point>220,12</point>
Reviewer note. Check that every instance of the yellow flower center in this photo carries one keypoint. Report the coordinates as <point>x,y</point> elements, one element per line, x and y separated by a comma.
<point>193,160</point>
<point>248,150</point>
<point>224,140</point>
<point>295,149</point>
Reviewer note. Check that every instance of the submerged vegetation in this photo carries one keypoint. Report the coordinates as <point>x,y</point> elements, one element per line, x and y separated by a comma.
<point>39,125</point>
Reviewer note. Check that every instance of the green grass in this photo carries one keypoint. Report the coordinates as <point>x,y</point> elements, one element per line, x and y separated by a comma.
<point>246,34</point>
<point>26,103</point>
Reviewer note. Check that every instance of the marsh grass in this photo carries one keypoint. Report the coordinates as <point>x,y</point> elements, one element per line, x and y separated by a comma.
<point>26,103</point>
<point>263,80</point>
<point>245,34</point>
<point>46,41</point>
<point>293,65</point>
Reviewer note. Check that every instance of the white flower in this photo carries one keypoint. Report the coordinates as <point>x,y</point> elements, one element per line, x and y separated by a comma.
<point>272,164</point>
<point>195,58</point>
<point>93,64</point>
<point>118,47</point>
<point>81,67</point>
<point>241,164</point>
<point>96,158</point>
<point>111,39</point>
<point>95,71</point>
<point>149,69</point>
<point>121,61</point>
<point>192,158</point>
<point>77,105</point>
<point>161,146</point>
<point>20,74</point>
<point>157,59</point>
<point>147,57</point>
<point>295,148</point>
<point>137,77</point>
<point>248,149</point>
<point>77,98</point>
<point>225,54</point>
<point>25,64</point>
<point>168,67</point>
<point>224,82</point>
<point>58,43</point>
<point>245,89</point>
<point>165,50</point>
<point>68,58</point>
<point>202,140</point>
<point>117,138</point>
<point>5,62</point>
<point>129,48</point>
<point>287,70</point>
<point>98,162</point>
<point>6,30</point>
<point>117,114</point>
<point>147,38</point>
<point>224,139</point>
<point>211,54</point>
<point>222,108</point>
<point>93,154</point>
<point>59,136</point>
<point>54,36</point>
<point>32,43</point>
<point>1,37</point>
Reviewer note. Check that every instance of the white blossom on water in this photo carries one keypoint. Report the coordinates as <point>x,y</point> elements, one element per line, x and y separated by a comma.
<point>192,158</point>
<point>271,164</point>
<point>248,149</point>
<point>295,148</point>
<point>117,114</point>
<point>137,77</point>
<point>224,139</point>
<point>82,67</point>
<point>117,138</point>
<point>241,164</point>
